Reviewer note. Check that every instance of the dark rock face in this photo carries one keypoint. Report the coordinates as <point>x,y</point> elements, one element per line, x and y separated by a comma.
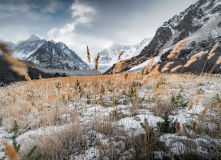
<point>7,75</point>
<point>57,56</point>
<point>201,19</point>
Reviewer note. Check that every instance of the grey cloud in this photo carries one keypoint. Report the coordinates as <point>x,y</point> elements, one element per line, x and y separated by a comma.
<point>96,23</point>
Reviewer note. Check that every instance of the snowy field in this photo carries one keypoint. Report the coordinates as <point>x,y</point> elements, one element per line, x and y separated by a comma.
<point>110,117</point>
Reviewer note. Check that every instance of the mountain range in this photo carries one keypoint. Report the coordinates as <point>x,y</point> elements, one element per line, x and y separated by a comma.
<point>201,22</point>
<point>47,54</point>
<point>109,56</point>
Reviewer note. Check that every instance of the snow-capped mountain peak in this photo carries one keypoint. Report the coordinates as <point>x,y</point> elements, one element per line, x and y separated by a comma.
<point>57,56</point>
<point>25,48</point>
<point>33,38</point>
<point>47,54</point>
<point>52,41</point>
<point>109,56</point>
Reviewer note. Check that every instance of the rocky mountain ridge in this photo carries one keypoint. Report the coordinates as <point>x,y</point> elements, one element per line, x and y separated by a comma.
<point>109,56</point>
<point>201,22</point>
<point>57,56</point>
<point>47,54</point>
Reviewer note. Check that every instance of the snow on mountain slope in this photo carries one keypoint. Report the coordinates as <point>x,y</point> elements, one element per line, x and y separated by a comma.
<point>57,56</point>
<point>109,56</point>
<point>47,54</point>
<point>201,21</point>
<point>25,48</point>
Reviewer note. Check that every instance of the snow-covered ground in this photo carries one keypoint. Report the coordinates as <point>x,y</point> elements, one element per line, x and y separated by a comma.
<point>126,116</point>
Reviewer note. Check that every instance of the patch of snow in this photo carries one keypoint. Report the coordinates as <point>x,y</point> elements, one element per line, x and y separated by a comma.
<point>90,154</point>
<point>144,64</point>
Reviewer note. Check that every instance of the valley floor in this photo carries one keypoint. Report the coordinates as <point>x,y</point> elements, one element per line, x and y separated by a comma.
<point>169,116</point>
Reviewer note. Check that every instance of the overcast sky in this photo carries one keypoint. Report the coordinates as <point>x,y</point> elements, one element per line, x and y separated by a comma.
<point>78,23</point>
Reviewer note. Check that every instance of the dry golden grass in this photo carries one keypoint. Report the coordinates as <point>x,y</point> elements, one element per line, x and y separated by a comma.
<point>166,67</point>
<point>189,62</point>
<point>16,65</point>
<point>121,53</point>
<point>194,58</point>
<point>43,102</point>
<point>202,114</point>
<point>211,54</point>
<point>218,60</point>
<point>184,128</point>
<point>96,62</point>
<point>88,55</point>
<point>178,127</point>
<point>118,67</point>
<point>198,98</point>
<point>138,75</point>
<point>125,75</point>
<point>10,151</point>
<point>177,48</point>
<point>46,102</point>
<point>149,66</point>
<point>199,54</point>
<point>156,94</point>
<point>176,68</point>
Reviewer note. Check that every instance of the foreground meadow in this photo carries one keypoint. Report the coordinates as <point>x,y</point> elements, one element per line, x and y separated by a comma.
<point>130,116</point>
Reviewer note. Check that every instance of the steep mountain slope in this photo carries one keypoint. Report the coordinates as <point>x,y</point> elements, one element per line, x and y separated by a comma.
<point>75,60</point>
<point>57,56</point>
<point>24,49</point>
<point>201,21</point>
<point>109,56</point>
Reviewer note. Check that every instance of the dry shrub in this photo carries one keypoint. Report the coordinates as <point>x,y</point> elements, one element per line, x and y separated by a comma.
<point>164,106</point>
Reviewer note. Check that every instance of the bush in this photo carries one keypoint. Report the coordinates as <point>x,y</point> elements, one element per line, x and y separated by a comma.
<point>167,126</point>
<point>178,101</point>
